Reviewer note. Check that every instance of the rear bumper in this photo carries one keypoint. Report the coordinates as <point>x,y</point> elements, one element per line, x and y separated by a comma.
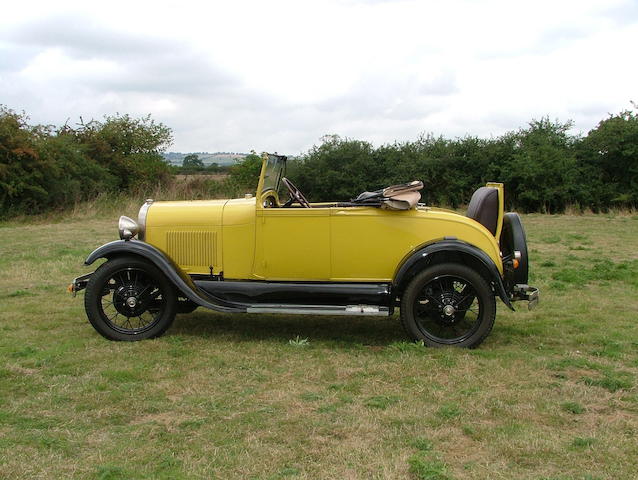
<point>79,283</point>
<point>525,292</point>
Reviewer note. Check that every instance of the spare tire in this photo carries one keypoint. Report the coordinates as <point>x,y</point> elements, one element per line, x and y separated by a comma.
<point>513,239</point>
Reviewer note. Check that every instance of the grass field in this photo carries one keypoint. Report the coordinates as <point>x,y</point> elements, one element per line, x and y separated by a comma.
<point>551,394</point>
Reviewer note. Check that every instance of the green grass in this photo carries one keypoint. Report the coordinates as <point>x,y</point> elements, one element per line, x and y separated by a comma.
<point>427,469</point>
<point>573,407</point>
<point>551,394</point>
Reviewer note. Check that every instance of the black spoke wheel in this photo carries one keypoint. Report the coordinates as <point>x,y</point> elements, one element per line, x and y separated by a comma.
<point>129,299</point>
<point>448,304</point>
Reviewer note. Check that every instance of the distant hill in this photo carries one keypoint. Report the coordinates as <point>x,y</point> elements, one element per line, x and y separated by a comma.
<point>220,158</point>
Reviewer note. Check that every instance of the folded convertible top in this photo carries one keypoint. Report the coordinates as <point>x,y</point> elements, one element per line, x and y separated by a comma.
<point>395,197</point>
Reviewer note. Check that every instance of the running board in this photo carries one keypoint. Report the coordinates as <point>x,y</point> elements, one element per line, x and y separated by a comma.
<point>362,310</point>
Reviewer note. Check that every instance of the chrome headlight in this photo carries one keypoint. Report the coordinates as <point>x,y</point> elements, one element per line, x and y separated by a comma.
<point>127,227</point>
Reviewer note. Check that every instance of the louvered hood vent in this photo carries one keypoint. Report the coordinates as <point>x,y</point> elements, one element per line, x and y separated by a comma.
<point>192,248</point>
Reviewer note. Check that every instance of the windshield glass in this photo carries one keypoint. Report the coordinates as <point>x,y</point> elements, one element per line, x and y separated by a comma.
<point>272,175</point>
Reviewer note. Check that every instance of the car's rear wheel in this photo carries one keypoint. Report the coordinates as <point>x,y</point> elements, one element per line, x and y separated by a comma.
<point>448,304</point>
<point>129,299</point>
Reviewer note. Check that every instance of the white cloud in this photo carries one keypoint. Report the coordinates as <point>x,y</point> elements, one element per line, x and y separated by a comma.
<point>278,75</point>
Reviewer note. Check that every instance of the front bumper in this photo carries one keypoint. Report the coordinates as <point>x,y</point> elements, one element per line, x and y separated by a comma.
<point>525,292</point>
<point>78,283</point>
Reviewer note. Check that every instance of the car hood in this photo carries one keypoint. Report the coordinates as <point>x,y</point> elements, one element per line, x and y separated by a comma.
<point>192,212</point>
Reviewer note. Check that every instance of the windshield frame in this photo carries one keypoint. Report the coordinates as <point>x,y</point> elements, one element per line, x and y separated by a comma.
<point>272,170</point>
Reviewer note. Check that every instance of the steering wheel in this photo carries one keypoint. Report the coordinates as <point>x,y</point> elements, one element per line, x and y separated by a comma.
<point>295,193</point>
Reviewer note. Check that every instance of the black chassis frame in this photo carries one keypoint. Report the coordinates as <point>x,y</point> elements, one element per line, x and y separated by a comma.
<point>303,297</point>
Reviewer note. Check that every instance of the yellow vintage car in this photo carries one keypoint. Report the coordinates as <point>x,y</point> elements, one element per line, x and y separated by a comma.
<point>260,254</point>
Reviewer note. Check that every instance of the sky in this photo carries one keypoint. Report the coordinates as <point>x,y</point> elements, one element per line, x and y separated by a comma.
<point>278,75</point>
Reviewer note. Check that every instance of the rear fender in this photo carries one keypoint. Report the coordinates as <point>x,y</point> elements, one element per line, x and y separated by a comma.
<point>174,274</point>
<point>451,250</point>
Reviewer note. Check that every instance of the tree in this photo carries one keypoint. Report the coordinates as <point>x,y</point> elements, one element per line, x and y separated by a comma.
<point>130,148</point>
<point>542,172</point>
<point>338,169</point>
<point>610,158</point>
<point>41,168</point>
<point>23,176</point>
<point>192,162</point>
<point>245,173</point>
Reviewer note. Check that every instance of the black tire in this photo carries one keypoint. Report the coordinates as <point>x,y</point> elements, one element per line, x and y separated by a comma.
<point>129,299</point>
<point>513,238</point>
<point>448,305</point>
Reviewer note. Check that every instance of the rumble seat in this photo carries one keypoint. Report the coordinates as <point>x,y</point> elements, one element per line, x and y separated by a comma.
<point>483,208</point>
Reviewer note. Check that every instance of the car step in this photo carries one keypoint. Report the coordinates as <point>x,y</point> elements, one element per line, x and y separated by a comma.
<point>363,310</point>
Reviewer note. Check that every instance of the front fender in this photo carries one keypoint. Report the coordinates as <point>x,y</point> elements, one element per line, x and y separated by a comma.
<point>422,257</point>
<point>175,275</point>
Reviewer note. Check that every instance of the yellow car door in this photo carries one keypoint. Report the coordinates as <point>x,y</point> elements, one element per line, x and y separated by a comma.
<point>292,244</point>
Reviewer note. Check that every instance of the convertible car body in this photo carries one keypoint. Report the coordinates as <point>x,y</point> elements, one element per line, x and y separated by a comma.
<point>259,254</point>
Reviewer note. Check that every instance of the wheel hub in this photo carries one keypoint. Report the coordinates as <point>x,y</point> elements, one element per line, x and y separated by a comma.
<point>449,310</point>
<point>127,301</point>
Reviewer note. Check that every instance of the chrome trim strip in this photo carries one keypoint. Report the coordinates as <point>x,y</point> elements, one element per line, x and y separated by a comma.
<point>141,219</point>
<point>361,310</point>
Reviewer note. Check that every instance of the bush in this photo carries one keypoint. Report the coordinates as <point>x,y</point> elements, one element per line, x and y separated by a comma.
<point>42,168</point>
<point>543,167</point>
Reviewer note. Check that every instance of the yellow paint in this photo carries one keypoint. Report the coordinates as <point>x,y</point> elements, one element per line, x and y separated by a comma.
<point>260,184</point>
<point>501,206</point>
<point>369,243</point>
<point>293,244</point>
<point>239,238</point>
<point>198,212</point>
<point>323,243</point>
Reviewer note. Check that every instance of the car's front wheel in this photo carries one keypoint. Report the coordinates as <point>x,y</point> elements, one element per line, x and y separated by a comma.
<point>128,298</point>
<point>448,304</point>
